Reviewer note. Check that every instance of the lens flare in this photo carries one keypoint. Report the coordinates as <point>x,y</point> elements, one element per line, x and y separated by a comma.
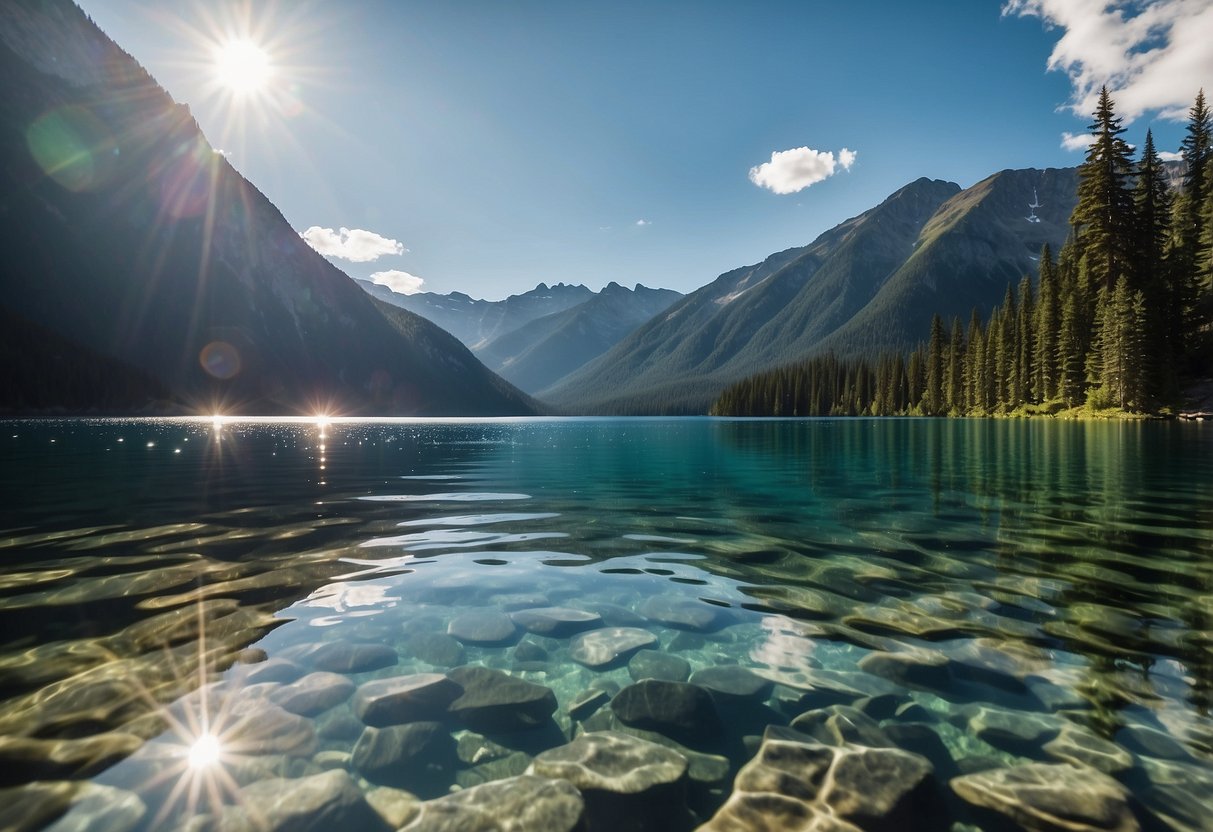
<point>220,359</point>
<point>205,751</point>
<point>72,147</point>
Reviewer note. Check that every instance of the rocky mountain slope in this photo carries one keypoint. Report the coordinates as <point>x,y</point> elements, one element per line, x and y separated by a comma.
<point>125,233</point>
<point>871,283</point>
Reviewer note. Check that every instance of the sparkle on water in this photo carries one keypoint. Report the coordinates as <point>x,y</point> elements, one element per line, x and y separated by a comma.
<point>167,605</point>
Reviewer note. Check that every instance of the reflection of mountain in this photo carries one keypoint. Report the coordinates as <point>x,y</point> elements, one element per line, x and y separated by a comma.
<point>869,284</point>
<point>127,235</point>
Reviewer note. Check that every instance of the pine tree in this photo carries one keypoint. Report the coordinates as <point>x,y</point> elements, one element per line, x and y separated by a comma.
<point>933,397</point>
<point>1103,216</point>
<point>954,398</point>
<point>1048,322</point>
<point>1070,356</point>
<point>1006,351</point>
<point>1189,245</point>
<point>1024,343</point>
<point>975,359</point>
<point>1152,221</point>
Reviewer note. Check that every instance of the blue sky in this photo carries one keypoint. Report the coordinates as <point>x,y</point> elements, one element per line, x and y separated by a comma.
<point>500,144</point>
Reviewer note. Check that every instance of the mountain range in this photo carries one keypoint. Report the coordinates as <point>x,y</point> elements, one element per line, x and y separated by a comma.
<point>536,338</point>
<point>872,283</point>
<point>140,254</point>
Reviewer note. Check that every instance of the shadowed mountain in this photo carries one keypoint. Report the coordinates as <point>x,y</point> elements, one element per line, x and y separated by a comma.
<point>127,234</point>
<point>871,283</point>
<point>478,322</point>
<point>545,350</point>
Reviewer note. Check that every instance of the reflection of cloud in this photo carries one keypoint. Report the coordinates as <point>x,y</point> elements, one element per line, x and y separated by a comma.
<point>787,645</point>
<point>402,283</point>
<point>794,170</point>
<point>342,597</point>
<point>351,244</point>
<point>1152,55</point>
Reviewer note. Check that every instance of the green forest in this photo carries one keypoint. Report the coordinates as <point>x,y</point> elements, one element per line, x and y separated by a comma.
<point>1118,322</point>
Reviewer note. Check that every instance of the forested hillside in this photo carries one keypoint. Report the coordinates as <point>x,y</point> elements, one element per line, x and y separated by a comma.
<point>1120,320</point>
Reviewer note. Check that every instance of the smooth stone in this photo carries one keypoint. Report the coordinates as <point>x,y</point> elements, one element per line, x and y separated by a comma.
<point>417,697</point>
<point>1081,747</point>
<point>677,709</point>
<point>517,804</point>
<point>493,701</point>
<point>1177,793</point>
<point>483,628</point>
<point>614,615</point>
<point>271,670</point>
<point>340,657</point>
<point>654,664</point>
<point>251,655</point>
<point>319,803</point>
<point>733,682</point>
<point>101,807</point>
<point>259,726</point>
<point>339,726</point>
<point>627,783</point>
<point>314,694</point>
<point>1052,797</point>
<point>556,622</point>
<point>922,739</point>
<point>584,704</point>
<point>332,759</point>
<point>681,613</point>
<point>883,706</point>
<point>609,647</point>
<point>419,757</point>
<point>915,668</point>
<point>1151,743</point>
<point>396,806</point>
<point>31,807</point>
<point>1018,732</point>
<point>840,725</point>
<point>528,652</point>
<point>438,649</point>
<point>793,783</point>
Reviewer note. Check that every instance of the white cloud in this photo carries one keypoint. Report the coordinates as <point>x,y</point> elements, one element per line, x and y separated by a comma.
<point>1152,55</point>
<point>351,243</point>
<point>1170,156</point>
<point>1075,141</point>
<point>399,282</point>
<point>643,223</point>
<point>794,170</point>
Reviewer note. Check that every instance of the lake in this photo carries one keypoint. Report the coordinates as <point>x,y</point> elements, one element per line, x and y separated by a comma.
<point>207,624</point>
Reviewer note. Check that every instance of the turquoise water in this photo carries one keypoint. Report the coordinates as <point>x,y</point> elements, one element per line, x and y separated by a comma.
<point>1020,589</point>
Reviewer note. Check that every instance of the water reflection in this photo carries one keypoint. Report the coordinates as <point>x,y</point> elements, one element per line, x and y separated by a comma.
<point>1059,573</point>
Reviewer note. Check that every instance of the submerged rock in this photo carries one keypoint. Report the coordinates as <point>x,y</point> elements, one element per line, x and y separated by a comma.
<point>518,804</point>
<point>314,694</point>
<point>319,803</point>
<point>733,682</point>
<point>654,664</point>
<point>438,649</point>
<point>839,725</point>
<point>677,709</point>
<point>101,807</point>
<point>556,622</point>
<point>341,657</point>
<point>400,699</point>
<point>1018,732</point>
<point>271,670</point>
<point>682,613</point>
<point>493,701</point>
<point>483,628</point>
<point>261,727</point>
<point>627,783</point>
<point>793,783</point>
<point>31,807</point>
<point>419,757</point>
<point>1041,796</point>
<point>396,806</point>
<point>584,704</point>
<point>914,668</point>
<point>23,759</point>
<point>1081,747</point>
<point>610,646</point>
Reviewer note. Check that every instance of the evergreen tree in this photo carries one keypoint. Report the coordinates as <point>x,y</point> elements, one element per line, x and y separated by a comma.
<point>1024,343</point>
<point>1004,357</point>
<point>1152,220</point>
<point>1070,355</point>
<point>1048,322</point>
<point>933,397</point>
<point>954,398</point>
<point>975,358</point>
<point>1189,245</point>
<point>1102,219</point>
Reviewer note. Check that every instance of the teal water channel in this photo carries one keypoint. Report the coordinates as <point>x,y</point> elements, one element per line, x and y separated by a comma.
<point>297,624</point>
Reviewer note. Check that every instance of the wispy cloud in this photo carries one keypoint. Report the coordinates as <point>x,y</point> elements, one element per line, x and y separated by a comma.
<point>1075,141</point>
<point>794,170</point>
<point>351,243</point>
<point>1152,55</point>
<point>400,282</point>
<point>643,223</point>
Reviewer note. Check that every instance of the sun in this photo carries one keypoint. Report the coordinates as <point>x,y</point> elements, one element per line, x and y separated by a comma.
<point>242,66</point>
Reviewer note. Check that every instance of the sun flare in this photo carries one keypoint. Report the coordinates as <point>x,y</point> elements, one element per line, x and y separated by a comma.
<point>242,66</point>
